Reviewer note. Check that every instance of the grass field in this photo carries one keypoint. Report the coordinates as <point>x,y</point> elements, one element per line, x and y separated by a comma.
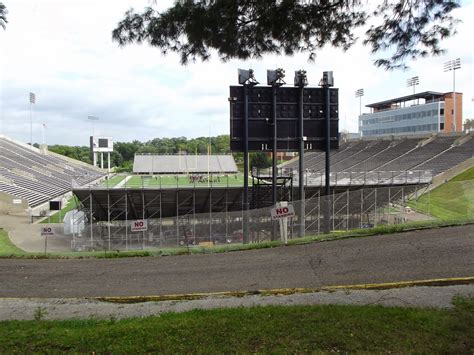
<point>274,329</point>
<point>137,181</point>
<point>452,200</point>
<point>7,248</point>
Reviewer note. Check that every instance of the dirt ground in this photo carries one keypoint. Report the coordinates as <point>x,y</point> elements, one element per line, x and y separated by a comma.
<point>416,255</point>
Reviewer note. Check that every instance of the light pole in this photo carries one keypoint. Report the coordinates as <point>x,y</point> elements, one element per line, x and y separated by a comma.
<point>301,80</point>
<point>42,131</point>
<point>359,93</point>
<point>32,101</point>
<point>92,119</point>
<point>247,79</point>
<point>413,81</point>
<point>453,65</point>
<point>275,79</point>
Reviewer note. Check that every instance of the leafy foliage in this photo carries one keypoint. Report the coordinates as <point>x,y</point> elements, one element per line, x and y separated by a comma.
<point>469,124</point>
<point>124,152</point>
<point>259,160</point>
<point>3,16</point>
<point>247,29</point>
<point>78,153</point>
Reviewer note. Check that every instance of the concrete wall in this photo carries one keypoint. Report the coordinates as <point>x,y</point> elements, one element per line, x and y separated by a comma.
<point>8,207</point>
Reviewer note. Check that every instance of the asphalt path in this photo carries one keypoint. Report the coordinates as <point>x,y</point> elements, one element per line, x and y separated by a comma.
<point>416,255</point>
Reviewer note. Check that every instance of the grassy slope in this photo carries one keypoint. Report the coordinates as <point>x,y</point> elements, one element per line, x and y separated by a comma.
<point>293,329</point>
<point>452,200</point>
<point>7,248</point>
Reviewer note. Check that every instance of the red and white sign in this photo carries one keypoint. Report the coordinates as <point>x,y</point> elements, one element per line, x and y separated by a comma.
<point>139,225</point>
<point>282,212</point>
<point>48,230</point>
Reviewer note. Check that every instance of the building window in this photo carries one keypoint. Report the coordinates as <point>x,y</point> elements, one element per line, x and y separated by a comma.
<point>441,111</point>
<point>441,126</point>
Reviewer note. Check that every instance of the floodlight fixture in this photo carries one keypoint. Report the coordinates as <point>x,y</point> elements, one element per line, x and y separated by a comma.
<point>32,101</point>
<point>413,81</point>
<point>452,64</point>
<point>275,77</point>
<point>327,80</point>
<point>301,80</point>
<point>246,77</point>
<point>359,93</point>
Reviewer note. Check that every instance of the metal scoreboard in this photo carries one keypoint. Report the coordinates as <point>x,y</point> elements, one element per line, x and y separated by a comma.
<point>260,122</point>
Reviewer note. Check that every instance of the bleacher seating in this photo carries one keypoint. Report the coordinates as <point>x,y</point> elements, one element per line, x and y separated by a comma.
<point>27,173</point>
<point>437,154</point>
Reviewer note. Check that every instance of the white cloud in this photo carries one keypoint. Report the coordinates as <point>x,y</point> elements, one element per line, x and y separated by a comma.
<point>62,51</point>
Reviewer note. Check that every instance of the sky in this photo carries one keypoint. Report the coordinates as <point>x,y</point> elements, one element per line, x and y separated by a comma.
<point>63,52</point>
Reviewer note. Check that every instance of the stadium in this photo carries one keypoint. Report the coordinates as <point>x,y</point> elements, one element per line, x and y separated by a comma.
<point>192,200</point>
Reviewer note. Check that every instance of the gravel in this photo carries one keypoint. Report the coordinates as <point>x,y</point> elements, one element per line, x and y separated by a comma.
<point>89,308</point>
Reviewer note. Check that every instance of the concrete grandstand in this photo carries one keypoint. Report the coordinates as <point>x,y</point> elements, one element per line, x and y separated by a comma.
<point>184,164</point>
<point>437,153</point>
<point>31,177</point>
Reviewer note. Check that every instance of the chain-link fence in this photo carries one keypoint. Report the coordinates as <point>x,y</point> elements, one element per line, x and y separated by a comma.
<point>350,209</point>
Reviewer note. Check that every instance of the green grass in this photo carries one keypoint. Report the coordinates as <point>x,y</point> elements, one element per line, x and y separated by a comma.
<point>452,200</point>
<point>273,329</point>
<point>138,181</point>
<point>7,248</point>
<point>113,181</point>
<point>467,175</point>
<point>59,217</point>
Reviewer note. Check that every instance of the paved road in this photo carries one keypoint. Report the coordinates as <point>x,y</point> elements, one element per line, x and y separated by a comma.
<point>437,253</point>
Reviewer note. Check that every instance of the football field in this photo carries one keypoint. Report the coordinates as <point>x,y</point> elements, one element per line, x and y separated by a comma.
<point>175,181</point>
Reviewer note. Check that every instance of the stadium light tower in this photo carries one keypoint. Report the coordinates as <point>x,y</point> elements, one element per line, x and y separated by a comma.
<point>413,81</point>
<point>247,79</point>
<point>32,101</point>
<point>359,93</point>
<point>92,119</point>
<point>453,65</point>
<point>300,81</point>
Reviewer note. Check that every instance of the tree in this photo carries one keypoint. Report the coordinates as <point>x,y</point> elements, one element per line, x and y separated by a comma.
<point>469,125</point>
<point>3,16</point>
<point>259,160</point>
<point>245,29</point>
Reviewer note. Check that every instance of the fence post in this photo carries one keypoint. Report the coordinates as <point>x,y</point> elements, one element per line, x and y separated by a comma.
<point>375,216</point>
<point>319,211</point>
<point>126,221</point>
<point>108,215</point>
<point>92,228</point>
<point>161,222</point>
<point>347,210</point>
<point>210,215</point>
<point>177,220</point>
